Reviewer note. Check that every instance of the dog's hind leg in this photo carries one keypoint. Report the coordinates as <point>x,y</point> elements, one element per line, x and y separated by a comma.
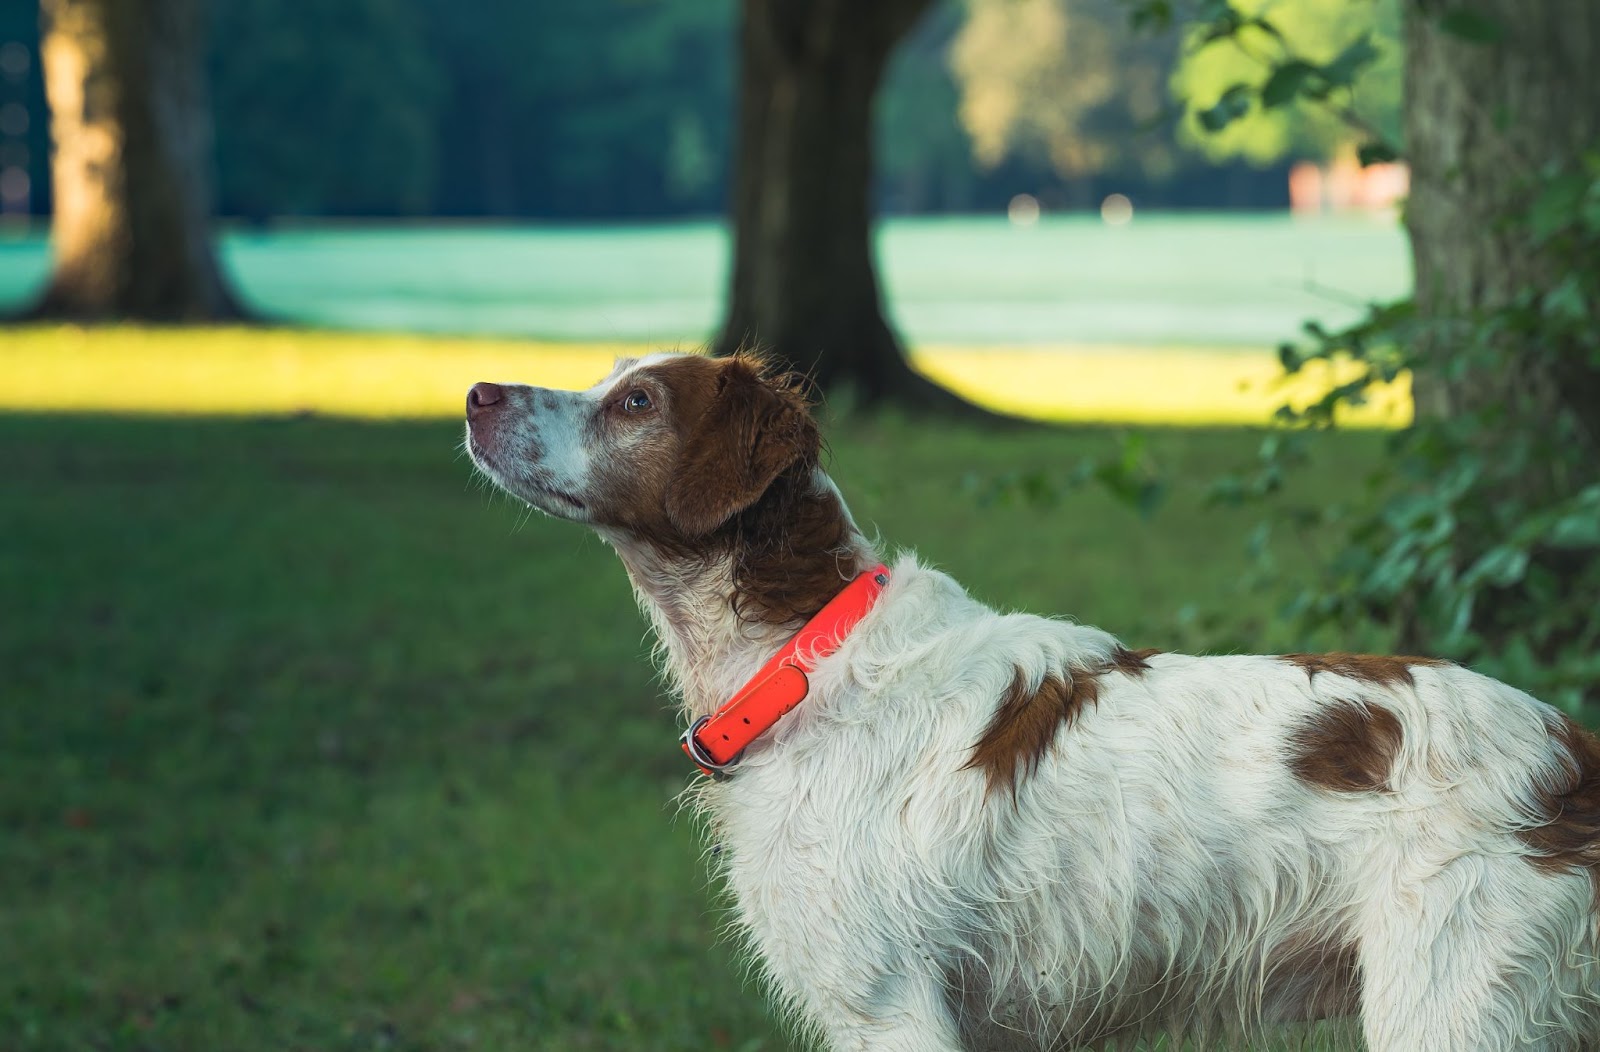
<point>1485,955</point>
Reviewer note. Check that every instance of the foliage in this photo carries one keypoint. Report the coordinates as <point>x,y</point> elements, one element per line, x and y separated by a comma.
<point>1481,538</point>
<point>1481,541</point>
<point>1311,78</point>
<point>615,107</point>
<point>1067,83</point>
<point>1129,476</point>
<point>924,158</point>
<point>1064,82</point>
<point>331,111</point>
<point>382,107</point>
<point>624,108</point>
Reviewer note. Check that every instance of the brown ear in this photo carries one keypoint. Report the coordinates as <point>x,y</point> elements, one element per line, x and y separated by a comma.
<point>751,432</point>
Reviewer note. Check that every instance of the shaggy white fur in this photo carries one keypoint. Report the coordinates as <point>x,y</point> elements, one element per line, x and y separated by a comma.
<point>1169,864</point>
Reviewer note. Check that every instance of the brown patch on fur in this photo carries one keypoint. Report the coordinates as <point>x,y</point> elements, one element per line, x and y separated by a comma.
<point>1025,724</point>
<point>743,481</point>
<point>791,552</point>
<point>754,428</point>
<point>1348,747</point>
<point>1131,662</point>
<point>1569,837</point>
<point>1368,668</point>
<point>1310,979</point>
<point>633,491</point>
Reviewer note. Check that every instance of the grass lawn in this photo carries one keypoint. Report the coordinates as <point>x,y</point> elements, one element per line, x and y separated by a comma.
<point>310,742</point>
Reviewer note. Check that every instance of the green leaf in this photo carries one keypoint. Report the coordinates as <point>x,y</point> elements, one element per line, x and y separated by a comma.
<point>1229,489</point>
<point>1376,152</point>
<point>1269,29</point>
<point>1471,26</point>
<point>1234,103</point>
<point>1566,302</point>
<point>1284,85</point>
<point>1558,204</point>
<point>1224,27</point>
<point>1589,211</point>
<point>1151,496</point>
<point>1341,72</point>
<point>1499,566</point>
<point>1154,15</point>
<point>1580,526</point>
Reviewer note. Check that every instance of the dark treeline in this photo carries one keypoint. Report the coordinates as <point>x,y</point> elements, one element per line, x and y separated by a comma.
<point>553,109</point>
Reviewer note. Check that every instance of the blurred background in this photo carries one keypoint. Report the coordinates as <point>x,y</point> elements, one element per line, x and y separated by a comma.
<point>1226,325</point>
<point>558,172</point>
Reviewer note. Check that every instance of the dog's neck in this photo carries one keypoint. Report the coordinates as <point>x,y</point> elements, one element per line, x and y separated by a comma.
<point>714,635</point>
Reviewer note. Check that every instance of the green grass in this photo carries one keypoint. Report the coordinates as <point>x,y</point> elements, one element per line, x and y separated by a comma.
<point>1172,279</point>
<point>309,742</point>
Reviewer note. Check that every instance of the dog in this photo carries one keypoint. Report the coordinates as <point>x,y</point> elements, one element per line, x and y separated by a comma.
<point>946,828</point>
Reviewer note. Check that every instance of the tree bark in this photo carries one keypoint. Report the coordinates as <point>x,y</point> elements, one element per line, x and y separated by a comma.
<point>803,287</point>
<point>1482,121</point>
<point>131,168</point>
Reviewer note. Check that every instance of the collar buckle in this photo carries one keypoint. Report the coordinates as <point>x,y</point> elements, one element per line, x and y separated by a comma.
<point>701,758</point>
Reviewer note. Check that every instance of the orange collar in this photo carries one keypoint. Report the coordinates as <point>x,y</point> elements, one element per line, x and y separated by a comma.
<point>715,742</point>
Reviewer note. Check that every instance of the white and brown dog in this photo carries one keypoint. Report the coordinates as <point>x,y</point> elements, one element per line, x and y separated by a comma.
<point>1001,831</point>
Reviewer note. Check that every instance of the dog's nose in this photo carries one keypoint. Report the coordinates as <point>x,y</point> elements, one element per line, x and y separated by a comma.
<point>482,396</point>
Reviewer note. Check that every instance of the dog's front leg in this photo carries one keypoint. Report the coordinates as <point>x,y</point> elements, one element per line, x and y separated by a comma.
<point>902,1013</point>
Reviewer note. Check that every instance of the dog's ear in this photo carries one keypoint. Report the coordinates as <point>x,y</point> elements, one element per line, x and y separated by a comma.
<point>753,430</point>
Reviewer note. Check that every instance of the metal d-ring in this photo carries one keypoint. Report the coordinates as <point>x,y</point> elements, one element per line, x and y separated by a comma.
<point>698,754</point>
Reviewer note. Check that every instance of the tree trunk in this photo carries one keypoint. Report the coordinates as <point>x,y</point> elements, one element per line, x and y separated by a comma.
<point>1482,121</point>
<point>131,169</point>
<point>803,285</point>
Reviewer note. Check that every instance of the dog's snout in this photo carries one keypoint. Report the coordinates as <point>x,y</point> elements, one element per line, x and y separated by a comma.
<point>482,396</point>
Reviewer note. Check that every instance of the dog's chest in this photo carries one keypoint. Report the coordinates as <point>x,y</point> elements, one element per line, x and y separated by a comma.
<point>833,905</point>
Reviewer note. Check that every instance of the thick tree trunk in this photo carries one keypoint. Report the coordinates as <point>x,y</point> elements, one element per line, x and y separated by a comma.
<point>1482,121</point>
<point>803,285</point>
<point>131,128</point>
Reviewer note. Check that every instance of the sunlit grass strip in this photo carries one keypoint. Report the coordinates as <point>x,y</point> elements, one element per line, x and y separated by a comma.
<point>1153,385</point>
<point>236,371</point>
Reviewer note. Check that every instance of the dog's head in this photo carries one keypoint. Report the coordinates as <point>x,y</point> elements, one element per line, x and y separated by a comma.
<point>669,448</point>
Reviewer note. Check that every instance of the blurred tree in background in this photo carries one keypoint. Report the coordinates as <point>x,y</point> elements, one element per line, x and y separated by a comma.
<point>1502,129</point>
<point>803,284</point>
<point>924,157</point>
<point>500,108</point>
<point>621,109</point>
<point>1494,107</point>
<point>334,110</point>
<point>608,108</point>
<point>131,166</point>
<point>1067,85</point>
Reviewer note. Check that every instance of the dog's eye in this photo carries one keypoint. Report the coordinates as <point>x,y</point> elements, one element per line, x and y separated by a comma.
<point>636,402</point>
